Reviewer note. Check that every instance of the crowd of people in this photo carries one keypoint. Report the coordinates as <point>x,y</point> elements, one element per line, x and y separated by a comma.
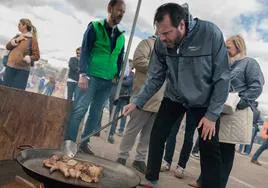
<point>185,70</point>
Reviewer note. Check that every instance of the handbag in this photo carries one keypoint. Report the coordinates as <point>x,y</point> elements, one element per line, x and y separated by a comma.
<point>5,57</point>
<point>231,103</point>
<point>236,128</point>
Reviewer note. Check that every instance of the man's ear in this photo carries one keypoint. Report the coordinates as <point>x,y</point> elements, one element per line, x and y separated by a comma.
<point>181,26</point>
<point>109,8</point>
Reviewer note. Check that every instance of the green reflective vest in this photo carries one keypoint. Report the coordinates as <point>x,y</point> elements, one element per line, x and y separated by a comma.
<point>103,61</point>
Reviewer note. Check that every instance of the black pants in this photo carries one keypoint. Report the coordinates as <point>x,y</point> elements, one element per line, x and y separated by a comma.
<point>196,146</point>
<point>16,78</point>
<point>71,90</point>
<point>227,156</point>
<point>210,159</point>
<point>187,143</point>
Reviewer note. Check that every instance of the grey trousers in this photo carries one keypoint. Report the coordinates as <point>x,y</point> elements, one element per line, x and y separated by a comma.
<point>140,122</point>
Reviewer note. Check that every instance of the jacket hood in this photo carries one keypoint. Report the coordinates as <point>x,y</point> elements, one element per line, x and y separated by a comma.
<point>190,20</point>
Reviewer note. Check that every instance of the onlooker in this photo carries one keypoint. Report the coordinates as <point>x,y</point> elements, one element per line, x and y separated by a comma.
<point>100,62</point>
<point>247,80</point>
<point>263,147</point>
<point>24,51</point>
<point>73,75</point>
<point>141,119</point>
<point>50,86</point>
<point>122,101</point>
<point>41,85</point>
<point>191,56</point>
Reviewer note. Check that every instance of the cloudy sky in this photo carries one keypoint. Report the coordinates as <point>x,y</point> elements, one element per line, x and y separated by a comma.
<point>61,23</point>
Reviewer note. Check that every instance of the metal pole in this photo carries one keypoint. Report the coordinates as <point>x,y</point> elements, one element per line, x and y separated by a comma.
<point>119,85</point>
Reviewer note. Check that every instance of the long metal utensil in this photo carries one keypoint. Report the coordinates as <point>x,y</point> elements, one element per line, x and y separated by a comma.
<point>70,148</point>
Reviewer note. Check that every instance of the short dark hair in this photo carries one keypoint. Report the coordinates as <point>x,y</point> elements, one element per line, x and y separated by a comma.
<point>78,49</point>
<point>114,2</point>
<point>175,12</point>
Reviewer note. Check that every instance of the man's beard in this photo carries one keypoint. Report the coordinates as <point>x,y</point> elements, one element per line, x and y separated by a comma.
<point>117,20</point>
<point>178,40</point>
<point>172,44</point>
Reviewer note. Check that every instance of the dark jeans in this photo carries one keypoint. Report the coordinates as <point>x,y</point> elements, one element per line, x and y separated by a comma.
<point>248,147</point>
<point>16,78</point>
<point>171,142</point>
<point>227,156</point>
<point>210,158</point>
<point>187,143</point>
<point>261,149</point>
<point>119,108</point>
<point>93,98</point>
<point>196,146</point>
<point>48,91</point>
<point>71,90</point>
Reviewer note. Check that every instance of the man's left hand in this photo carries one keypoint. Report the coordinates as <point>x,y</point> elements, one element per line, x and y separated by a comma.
<point>208,129</point>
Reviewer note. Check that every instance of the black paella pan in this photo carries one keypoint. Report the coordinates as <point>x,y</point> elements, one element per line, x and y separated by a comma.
<point>114,175</point>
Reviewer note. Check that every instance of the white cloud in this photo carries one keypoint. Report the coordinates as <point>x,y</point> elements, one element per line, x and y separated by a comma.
<point>264,25</point>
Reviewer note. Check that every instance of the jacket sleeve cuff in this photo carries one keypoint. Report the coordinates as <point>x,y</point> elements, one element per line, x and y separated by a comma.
<point>211,116</point>
<point>137,102</point>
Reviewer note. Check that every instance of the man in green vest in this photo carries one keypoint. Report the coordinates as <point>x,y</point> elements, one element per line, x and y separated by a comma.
<point>100,63</point>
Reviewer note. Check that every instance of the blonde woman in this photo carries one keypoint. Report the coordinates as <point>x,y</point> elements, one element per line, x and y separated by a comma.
<point>247,80</point>
<point>24,51</point>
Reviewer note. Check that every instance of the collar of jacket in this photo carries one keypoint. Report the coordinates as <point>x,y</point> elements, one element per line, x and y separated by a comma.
<point>237,57</point>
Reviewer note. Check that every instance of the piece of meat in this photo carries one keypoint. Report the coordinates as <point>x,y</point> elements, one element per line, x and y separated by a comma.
<point>65,158</point>
<point>63,167</point>
<point>79,166</point>
<point>72,162</point>
<point>74,173</point>
<point>95,172</point>
<point>55,157</point>
<point>49,163</point>
<point>86,178</point>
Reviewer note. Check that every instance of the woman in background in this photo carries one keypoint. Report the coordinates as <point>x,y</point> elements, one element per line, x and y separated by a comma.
<point>24,51</point>
<point>247,80</point>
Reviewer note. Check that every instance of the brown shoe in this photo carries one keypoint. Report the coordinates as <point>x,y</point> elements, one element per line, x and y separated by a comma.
<point>256,162</point>
<point>194,184</point>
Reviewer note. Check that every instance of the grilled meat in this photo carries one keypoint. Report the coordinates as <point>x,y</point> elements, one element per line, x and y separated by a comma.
<point>74,169</point>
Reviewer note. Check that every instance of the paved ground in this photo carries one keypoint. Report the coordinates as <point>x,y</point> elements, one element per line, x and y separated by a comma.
<point>244,173</point>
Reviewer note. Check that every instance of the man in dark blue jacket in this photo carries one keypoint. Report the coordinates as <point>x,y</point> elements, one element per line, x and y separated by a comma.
<point>191,56</point>
<point>73,75</point>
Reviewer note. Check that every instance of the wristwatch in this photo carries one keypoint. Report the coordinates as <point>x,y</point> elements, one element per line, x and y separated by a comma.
<point>84,75</point>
